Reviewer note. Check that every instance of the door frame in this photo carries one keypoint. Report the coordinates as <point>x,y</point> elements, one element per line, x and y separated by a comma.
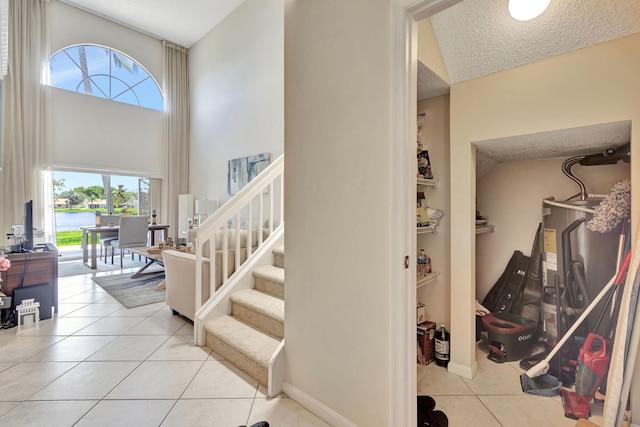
<point>404,56</point>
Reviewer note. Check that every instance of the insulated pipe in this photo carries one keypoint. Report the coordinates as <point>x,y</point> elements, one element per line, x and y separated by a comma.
<point>564,205</point>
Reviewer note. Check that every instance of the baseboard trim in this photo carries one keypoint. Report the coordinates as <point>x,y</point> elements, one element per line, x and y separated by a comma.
<point>464,371</point>
<point>316,407</point>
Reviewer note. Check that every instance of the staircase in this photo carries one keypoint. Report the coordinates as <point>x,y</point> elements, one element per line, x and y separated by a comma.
<point>251,335</point>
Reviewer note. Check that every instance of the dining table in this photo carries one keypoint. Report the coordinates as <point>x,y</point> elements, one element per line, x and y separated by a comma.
<point>90,235</point>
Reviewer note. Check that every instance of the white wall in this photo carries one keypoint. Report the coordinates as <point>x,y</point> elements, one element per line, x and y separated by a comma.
<point>338,205</point>
<point>237,94</point>
<point>510,196</point>
<point>95,134</point>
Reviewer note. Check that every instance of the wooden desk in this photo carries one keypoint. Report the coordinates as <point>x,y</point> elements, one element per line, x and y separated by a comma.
<point>32,268</point>
<point>93,231</point>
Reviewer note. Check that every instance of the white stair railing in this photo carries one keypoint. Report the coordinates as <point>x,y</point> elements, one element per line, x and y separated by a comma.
<point>252,215</point>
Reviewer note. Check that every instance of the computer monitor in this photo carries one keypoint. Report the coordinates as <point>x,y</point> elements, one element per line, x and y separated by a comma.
<point>27,243</point>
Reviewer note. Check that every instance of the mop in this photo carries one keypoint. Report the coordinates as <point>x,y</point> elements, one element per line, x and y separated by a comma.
<point>614,208</point>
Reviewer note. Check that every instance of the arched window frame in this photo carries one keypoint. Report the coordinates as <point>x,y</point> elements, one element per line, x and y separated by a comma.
<point>91,77</point>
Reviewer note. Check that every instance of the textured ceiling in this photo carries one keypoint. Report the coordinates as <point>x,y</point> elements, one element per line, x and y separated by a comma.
<point>429,83</point>
<point>183,22</point>
<point>554,144</point>
<point>479,37</point>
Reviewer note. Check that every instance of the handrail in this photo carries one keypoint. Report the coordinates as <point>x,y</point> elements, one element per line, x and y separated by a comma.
<point>239,214</point>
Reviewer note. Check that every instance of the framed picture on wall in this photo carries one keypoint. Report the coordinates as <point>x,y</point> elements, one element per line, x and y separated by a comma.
<point>243,170</point>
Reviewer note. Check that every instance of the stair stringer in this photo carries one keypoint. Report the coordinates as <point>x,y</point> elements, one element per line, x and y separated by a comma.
<point>219,304</point>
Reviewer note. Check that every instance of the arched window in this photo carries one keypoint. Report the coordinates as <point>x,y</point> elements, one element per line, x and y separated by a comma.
<point>105,73</point>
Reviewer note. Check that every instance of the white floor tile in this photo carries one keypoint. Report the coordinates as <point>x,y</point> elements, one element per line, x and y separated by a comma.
<point>142,311</point>
<point>74,348</point>
<point>465,411</point>
<point>96,310</point>
<point>527,411</point>
<point>209,413</point>
<point>180,347</point>
<point>156,325</point>
<point>129,348</point>
<point>283,412</point>
<point>67,308</point>
<point>138,413</point>
<point>62,325</point>
<point>7,406</point>
<point>87,380</point>
<point>157,380</point>
<point>434,380</point>
<point>494,378</point>
<point>60,414</point>
<point>110,326</point>
<point>220,379</point>
<point>17,348</point>
<point>25,379</point>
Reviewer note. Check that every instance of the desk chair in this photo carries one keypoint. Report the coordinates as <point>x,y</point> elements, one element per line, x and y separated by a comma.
<point>107,237</point>
<point>133,233</point>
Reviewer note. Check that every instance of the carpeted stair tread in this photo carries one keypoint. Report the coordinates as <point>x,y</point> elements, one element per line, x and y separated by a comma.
<point>269,279</point>
<point>270,272</point>
<point>260,310</point>
<point>278,256</point>
<point>259,301</point>
<point>241,344</point>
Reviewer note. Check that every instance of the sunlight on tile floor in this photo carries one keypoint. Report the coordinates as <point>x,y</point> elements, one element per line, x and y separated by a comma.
<point>99,364</point>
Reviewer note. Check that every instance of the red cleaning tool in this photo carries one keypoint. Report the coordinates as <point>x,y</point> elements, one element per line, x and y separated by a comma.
<point>593,362</point>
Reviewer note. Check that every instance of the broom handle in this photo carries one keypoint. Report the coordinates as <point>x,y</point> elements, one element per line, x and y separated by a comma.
<point>615,280</point>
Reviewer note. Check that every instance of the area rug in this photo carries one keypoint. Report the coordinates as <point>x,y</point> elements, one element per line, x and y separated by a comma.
<point>133,292</point>
<point>77,267</point>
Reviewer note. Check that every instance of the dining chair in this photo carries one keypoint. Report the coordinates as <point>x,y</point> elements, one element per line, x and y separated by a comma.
<point>107,237</point>
<point>133,232</point>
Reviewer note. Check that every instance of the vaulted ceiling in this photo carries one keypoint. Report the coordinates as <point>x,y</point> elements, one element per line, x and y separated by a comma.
<point>183,22</point>
<point>476,38</point>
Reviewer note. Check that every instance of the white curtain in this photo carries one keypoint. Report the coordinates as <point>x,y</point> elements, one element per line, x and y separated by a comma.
<point>175,132</point>
<point>25,153</point>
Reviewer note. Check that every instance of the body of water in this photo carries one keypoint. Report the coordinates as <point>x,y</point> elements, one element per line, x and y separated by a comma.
<point>70,221</point>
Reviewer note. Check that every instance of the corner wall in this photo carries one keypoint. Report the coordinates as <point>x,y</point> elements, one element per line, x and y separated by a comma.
<point>237,94</point>
<point>590,86</point>
<point>338,206</point>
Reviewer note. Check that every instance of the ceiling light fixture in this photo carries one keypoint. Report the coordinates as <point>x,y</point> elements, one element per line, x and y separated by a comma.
<point>525,10</point>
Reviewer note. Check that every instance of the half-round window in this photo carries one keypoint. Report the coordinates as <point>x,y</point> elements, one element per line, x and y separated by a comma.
<point>105,73</point>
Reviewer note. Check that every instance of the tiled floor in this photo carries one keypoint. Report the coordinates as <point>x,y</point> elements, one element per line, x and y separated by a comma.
<point>100,364</point>
<point>493,398</point>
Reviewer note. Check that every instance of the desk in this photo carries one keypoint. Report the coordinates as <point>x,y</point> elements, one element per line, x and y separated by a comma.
<point>93,231</point>
<point>32,268</point>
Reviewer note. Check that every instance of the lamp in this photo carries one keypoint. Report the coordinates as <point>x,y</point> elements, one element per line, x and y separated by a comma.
<point>525,10</point>
<point>205,207</point>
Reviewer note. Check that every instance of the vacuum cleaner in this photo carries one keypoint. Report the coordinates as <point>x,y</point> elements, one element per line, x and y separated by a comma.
<point>593,363</point>
<point>535,380</point>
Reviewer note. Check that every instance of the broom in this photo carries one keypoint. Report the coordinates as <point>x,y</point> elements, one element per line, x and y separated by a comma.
<point>528,380</point>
